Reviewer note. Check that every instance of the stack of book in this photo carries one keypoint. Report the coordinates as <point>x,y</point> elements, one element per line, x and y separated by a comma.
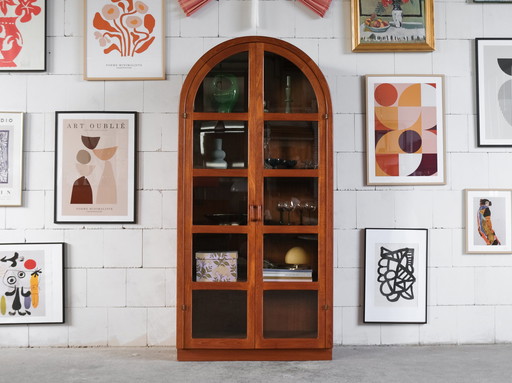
<point>287,275</point>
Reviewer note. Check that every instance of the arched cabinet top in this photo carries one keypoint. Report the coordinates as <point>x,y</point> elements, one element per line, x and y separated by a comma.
<point>259,50</point>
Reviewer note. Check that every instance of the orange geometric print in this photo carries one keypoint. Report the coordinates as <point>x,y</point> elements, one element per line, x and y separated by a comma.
<point>411,96</point>
<point>386,165</point>
<point>386,94</point>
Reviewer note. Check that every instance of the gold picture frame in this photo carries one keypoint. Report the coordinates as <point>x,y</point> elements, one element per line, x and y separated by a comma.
<point>374,25</point>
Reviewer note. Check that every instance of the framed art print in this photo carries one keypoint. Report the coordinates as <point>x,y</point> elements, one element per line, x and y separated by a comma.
<point>488,221</point>
<point>11,158</point>
<point>22,35</point>
<point>494,91</point>
<point>124,40</point>
<point>405,130</point>
<point>95,167</point>
<point>392,25</point>
<point>33,283</point>
<point>395,275</point>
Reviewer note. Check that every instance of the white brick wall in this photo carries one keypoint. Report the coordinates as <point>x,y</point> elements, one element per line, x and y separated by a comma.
<point>120,280</point>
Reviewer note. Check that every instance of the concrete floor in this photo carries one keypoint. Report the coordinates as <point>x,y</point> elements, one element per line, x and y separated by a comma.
<point>487,363</point>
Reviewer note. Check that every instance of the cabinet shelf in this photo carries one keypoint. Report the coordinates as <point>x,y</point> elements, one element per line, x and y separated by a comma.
<point>254,193</point>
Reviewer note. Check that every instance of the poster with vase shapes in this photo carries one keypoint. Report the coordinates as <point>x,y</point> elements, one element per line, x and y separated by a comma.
<point>124,40</point>
<point>95,167</point>
<point>22,35</point>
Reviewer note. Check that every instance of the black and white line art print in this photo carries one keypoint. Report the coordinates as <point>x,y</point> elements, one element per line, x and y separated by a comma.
<point>396,273</point>
<point>395,287</point>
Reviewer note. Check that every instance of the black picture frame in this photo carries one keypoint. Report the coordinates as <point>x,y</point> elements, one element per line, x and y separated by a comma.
<point>108,195</point>
<point>395,275</point>
<point>24,39</point>
<point>492,56</point>
<point>33,288</point>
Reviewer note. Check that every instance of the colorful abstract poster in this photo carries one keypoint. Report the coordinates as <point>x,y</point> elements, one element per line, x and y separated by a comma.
<point>395,275</point>
<point>31,283</point>
<point>405,130</point>
<point>124,40</point>
<point>95,167</point>
<point>488,221</point>
<point>11,158</point>
<point>22,35</point>
<point>494,91</point>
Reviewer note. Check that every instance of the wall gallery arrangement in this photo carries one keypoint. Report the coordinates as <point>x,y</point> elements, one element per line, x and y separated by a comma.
<point>395,275</point>
<point>95,159</point>
<point>22,35</point>
<point>124,40</point>
<point>33,283</point>
<point>95,152</point>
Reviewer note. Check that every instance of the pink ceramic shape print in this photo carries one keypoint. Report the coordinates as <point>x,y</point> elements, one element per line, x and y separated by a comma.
<point>124,26</point>
<point>11,40</point>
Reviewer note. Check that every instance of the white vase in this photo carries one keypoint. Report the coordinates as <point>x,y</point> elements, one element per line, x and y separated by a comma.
<point>218,155</point>
<point>397,17</point>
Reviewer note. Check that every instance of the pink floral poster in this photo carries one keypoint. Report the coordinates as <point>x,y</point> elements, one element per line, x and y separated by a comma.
<point>22,35</point>
<point>124,40</point>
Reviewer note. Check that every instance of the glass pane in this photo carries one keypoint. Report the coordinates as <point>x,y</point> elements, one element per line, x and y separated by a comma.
<point>290,258</point>
<point>224,89</point>
<point>291,144</point>
<point>290,314</point>
<point>291,201</point>
<point>219,257</point>
<point>287,90</point>
<point>219,314</point>
<point>220,144</point>
<point>220,201</point>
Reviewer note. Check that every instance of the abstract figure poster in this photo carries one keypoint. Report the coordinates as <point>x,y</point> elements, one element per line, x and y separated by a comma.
<point>392,25</point>
<point>494,91</point>
<point>405,130</point>
<point>31,283</point>
<point>124,40</point>
<point>95,167</point>
<point>488,221</point>
<point>395,275</point>
<point>11,158</point>
<point>22,35</point>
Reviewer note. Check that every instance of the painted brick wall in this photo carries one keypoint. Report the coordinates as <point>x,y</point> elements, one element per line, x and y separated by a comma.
<point>121,279</point>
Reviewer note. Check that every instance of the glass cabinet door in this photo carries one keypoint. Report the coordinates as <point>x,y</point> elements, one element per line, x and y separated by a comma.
<point>220,144</point>
<point>224,89</point>
<point>287,90</point>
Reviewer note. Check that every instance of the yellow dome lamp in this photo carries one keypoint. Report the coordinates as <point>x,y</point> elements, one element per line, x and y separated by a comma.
<point>297,257</point>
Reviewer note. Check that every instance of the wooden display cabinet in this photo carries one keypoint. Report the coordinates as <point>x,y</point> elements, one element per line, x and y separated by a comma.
<point>255,182</point>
